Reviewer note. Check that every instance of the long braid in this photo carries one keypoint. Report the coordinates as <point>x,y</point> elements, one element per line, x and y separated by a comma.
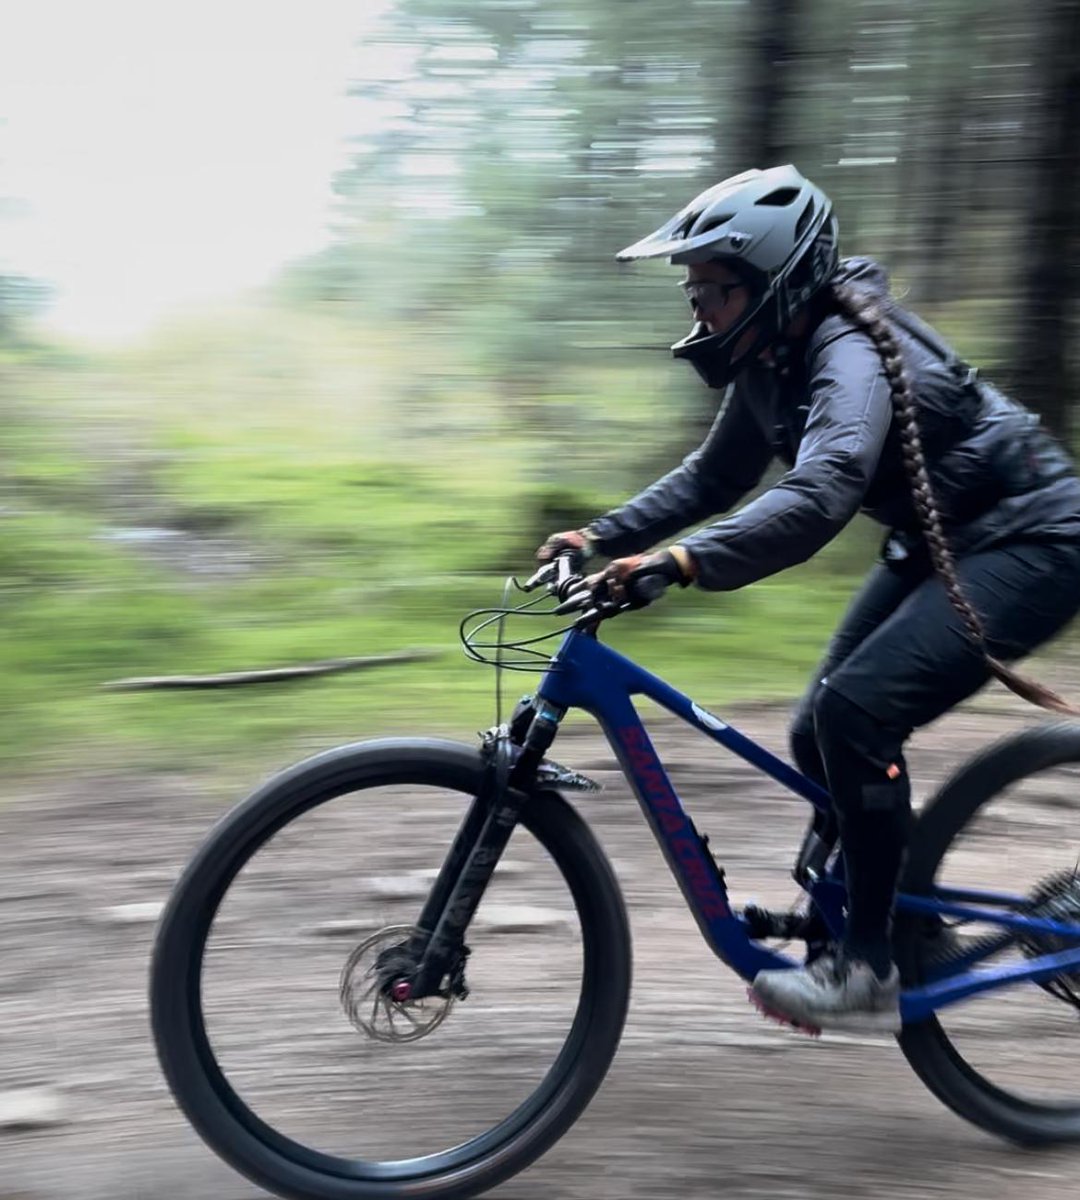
<point>865,312</point>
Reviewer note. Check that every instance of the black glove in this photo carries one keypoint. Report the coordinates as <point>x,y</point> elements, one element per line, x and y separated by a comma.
<point>638,580</point>
<point>576,540</point>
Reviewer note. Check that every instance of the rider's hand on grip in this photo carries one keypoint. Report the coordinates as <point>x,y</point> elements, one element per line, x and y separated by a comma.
<point>571,541</point>
<point>638,580</point>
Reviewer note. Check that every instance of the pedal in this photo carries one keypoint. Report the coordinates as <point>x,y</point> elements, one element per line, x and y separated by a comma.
<point>762,923</point>
<point>771,1014</point>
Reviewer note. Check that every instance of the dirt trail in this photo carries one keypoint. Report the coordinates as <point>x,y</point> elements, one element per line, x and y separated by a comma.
<point>704,1098</point>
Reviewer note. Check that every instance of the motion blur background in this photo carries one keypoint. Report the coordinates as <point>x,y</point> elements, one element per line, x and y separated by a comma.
<point>310,328</point>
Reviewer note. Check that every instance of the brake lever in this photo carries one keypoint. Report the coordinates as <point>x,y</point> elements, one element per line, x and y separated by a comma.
<point>600,613</point>
<point>560,575</point>
<point>574,601</point>
<point>542,576</point>
<point>651,587</point>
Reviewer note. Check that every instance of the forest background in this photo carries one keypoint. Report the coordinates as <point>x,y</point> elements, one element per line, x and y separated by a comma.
<point>349,458</point>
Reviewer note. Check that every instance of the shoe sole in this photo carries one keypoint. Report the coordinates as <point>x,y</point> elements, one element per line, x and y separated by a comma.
<point>774,1014</point>
<point>883,1022</point>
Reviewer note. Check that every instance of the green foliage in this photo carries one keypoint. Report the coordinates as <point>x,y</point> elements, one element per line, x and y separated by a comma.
<point>351,464</point>
<point>292,544</point>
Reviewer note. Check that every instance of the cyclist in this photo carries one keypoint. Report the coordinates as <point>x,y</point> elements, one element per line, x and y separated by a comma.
<point>869,409</point>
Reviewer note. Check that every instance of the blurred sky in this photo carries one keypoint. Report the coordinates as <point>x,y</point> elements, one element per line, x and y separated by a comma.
<point>156,154</point>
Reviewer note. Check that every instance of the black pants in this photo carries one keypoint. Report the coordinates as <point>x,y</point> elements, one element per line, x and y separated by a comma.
<point>899,659</point>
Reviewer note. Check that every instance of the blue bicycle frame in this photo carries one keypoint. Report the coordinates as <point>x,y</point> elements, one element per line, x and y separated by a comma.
<point>586,674</point>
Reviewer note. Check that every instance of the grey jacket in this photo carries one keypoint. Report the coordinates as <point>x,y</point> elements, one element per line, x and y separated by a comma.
<point>828,416</point>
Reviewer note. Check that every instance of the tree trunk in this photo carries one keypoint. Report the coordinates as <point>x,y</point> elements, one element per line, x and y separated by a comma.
<point>771,56</point>
<point>944,196</point>
<point>1044,370</point>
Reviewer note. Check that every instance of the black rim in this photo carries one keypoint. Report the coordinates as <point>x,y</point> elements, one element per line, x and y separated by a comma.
<point>543,1102</point>
<point>1011,762</point>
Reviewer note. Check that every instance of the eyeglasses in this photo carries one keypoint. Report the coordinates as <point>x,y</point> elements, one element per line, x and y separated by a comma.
<point>706,295</point>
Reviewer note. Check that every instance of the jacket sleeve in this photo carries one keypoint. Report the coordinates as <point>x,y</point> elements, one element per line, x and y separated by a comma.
<point>710,480</point>
<point>847,423</point>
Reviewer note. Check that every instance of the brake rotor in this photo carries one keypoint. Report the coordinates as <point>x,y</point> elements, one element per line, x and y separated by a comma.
<point>375,997</point>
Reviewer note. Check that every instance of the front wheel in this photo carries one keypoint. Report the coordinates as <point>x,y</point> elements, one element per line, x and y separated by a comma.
<point>1007,823</point>
<point>311,1084</point>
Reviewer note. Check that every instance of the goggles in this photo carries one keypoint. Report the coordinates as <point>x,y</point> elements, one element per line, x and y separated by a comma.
<point>706,295</point>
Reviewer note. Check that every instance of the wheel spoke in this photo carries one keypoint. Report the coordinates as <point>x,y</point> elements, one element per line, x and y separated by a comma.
<point>412,1020</point>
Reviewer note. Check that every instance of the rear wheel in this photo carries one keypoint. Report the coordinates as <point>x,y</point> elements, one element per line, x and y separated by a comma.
<point>1007,822</point>
<point>300,1074</point>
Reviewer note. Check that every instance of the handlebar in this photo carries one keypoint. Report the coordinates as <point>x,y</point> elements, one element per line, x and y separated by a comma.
<point>569,586</point>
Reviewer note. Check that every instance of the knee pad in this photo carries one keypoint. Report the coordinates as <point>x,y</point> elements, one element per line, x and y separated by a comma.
<point>863,758</point>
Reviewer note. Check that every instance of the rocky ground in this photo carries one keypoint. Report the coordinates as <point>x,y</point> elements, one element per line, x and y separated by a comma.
<point>704,1098</point>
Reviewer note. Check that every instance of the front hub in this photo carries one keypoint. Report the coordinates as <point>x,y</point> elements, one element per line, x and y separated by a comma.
<point>378,998</point>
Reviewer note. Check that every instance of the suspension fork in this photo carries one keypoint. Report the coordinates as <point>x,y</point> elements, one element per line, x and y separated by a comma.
<point>438,944</point>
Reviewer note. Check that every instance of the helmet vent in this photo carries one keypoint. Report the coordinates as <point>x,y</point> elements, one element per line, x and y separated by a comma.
<point>781,197</point>
<point>805,218</point>
<point>715,223</point>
